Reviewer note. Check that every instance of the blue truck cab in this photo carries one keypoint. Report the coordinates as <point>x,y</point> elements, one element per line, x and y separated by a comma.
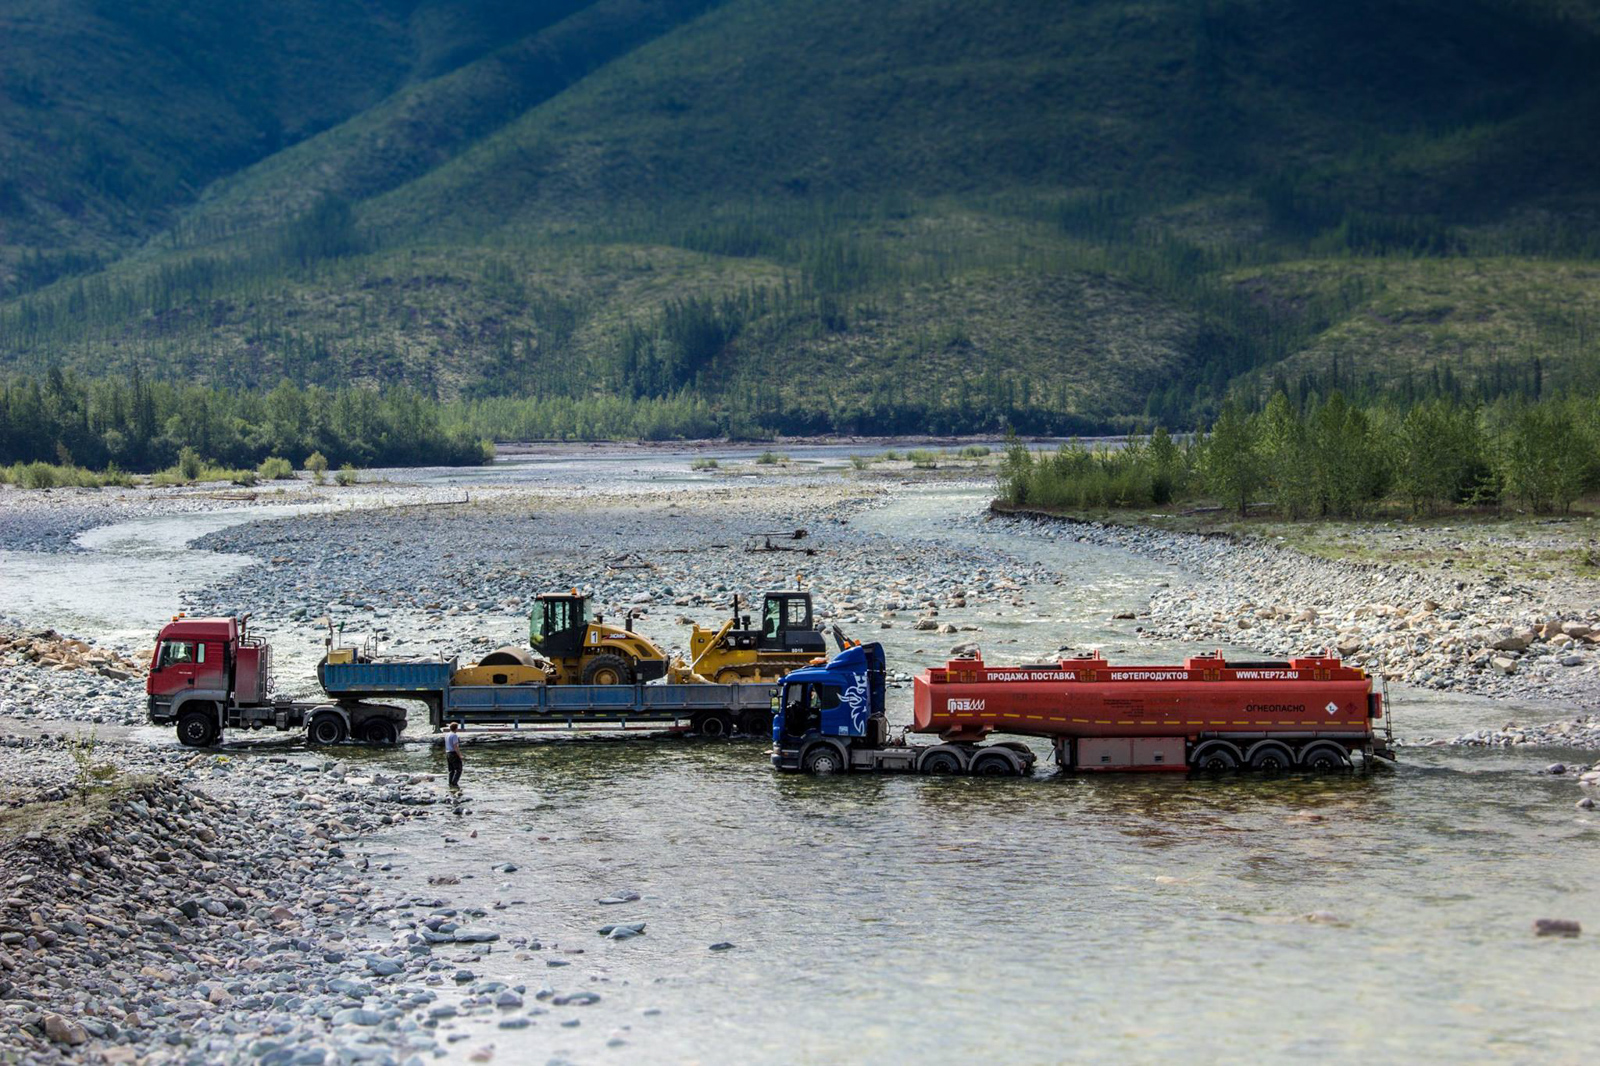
<point>822,712</point>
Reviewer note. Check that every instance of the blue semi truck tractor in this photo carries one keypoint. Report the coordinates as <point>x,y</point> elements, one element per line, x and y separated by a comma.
<point>831,718</point>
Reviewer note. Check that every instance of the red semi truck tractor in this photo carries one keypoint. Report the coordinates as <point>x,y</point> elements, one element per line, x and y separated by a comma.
<point>1207,715</point>
<point>208,674</point>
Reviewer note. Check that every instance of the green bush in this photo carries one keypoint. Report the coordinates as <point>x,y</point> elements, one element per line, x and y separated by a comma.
<point>974,451</point>
<point>770,458</point>
<point>189,464</point>
<point>56,475</point>
<point>38,476</point>
<point>923,459</point>
<point>346,476</point>
<point>860,462</point>
<point>703,464</point>
<point>275,468</point>
<point>891,456</point>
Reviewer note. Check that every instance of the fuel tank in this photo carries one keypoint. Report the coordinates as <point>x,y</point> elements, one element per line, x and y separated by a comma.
<point>1090,697</point>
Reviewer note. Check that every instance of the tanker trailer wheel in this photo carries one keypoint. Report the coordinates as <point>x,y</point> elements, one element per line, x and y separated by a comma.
<point>380,732</point>
<point>1271,759</point>
<point>1324,759</point>
<point>993,764</point>
<point>326,728</point>
<point>941,762</point>
<point>822,760</point>
<point>197,729</point>
<point>1216,760</point>
<point>607,669</point>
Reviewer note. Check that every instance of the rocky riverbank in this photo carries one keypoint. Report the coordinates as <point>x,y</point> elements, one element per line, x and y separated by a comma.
<point>205,908</point>
<point>1463,633</point>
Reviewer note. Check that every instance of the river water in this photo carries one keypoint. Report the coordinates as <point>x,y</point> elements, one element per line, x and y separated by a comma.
<point>1105,919</point>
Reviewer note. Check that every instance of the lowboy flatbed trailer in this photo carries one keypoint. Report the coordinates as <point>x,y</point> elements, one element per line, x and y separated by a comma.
<point>209,675</point>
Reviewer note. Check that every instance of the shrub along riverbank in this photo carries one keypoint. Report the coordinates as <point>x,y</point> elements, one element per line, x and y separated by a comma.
<point>1334,458</point>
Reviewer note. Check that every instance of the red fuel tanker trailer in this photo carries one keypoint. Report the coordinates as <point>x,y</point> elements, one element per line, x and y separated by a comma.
<point>1207,714</point>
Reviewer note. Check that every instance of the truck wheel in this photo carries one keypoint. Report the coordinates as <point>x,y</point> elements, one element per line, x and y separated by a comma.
<point>822,760</point>
<point>1324,759</point>
<point>1216,760</point>
<point>941,762</point>
<point>326,728</point>
<point>197,729</point>
<point>715,724</point>
<point>607,669</point>
<point>1271,759</point>
<point>380,732</point>
<point>993,764</point>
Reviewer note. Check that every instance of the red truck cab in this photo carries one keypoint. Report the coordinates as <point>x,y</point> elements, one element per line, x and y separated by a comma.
<point>205,666</point>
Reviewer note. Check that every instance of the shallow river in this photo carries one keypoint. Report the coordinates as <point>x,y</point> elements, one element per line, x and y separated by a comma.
<point>1056,919</point>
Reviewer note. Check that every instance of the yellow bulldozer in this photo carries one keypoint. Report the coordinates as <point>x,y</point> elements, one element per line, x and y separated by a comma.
<point>738,652</point>
<point>569,649</point>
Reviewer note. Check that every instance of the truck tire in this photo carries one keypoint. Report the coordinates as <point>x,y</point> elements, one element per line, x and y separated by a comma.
<point>608,669</point>
<point>714,724</point>
<point>1271,757</point>
<point>1216,759</point>
<point>1324,759</point>
<point>380,732</point>
<point>994,764</point>
<point>197,729</point>
<point>822,760</point>
<point>940,762</point>
<point>326,728</point>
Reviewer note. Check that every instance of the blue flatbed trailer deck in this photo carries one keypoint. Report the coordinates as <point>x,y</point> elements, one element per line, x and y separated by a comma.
<point>713,709</point>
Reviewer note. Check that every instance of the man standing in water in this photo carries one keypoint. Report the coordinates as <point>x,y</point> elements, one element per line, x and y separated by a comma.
<point>452,753</point>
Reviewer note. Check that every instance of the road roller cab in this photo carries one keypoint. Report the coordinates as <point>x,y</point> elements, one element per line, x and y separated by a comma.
<point>587,652</point>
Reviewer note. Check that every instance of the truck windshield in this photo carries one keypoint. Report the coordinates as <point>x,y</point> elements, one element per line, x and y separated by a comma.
<point>803,706</point>
<point>178,651</point>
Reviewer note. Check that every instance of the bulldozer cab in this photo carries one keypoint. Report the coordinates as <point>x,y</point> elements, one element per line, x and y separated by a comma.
<point>786,623</point>
<point>558,623</point>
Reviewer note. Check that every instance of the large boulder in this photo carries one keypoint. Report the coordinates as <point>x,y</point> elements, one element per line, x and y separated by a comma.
<point>1507,639</point>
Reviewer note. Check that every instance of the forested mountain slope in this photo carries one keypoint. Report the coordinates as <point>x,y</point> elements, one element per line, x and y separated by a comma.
<point>810,214</point>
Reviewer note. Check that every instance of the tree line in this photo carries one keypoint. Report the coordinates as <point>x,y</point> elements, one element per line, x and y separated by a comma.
<point>1334,458</point>
<point>137,425</point>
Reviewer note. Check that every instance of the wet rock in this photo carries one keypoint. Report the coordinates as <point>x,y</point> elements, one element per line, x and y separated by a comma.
<point>618,897</point>
<point>722,945</point>
<point>1556,927</point>
<point>622,931</point>
<point>476,936</point>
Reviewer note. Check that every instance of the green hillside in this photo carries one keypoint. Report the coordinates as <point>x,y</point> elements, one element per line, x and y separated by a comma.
<point>811,214</point>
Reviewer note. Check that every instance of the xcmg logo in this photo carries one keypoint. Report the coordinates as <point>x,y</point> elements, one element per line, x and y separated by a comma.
<point>963,705</point>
